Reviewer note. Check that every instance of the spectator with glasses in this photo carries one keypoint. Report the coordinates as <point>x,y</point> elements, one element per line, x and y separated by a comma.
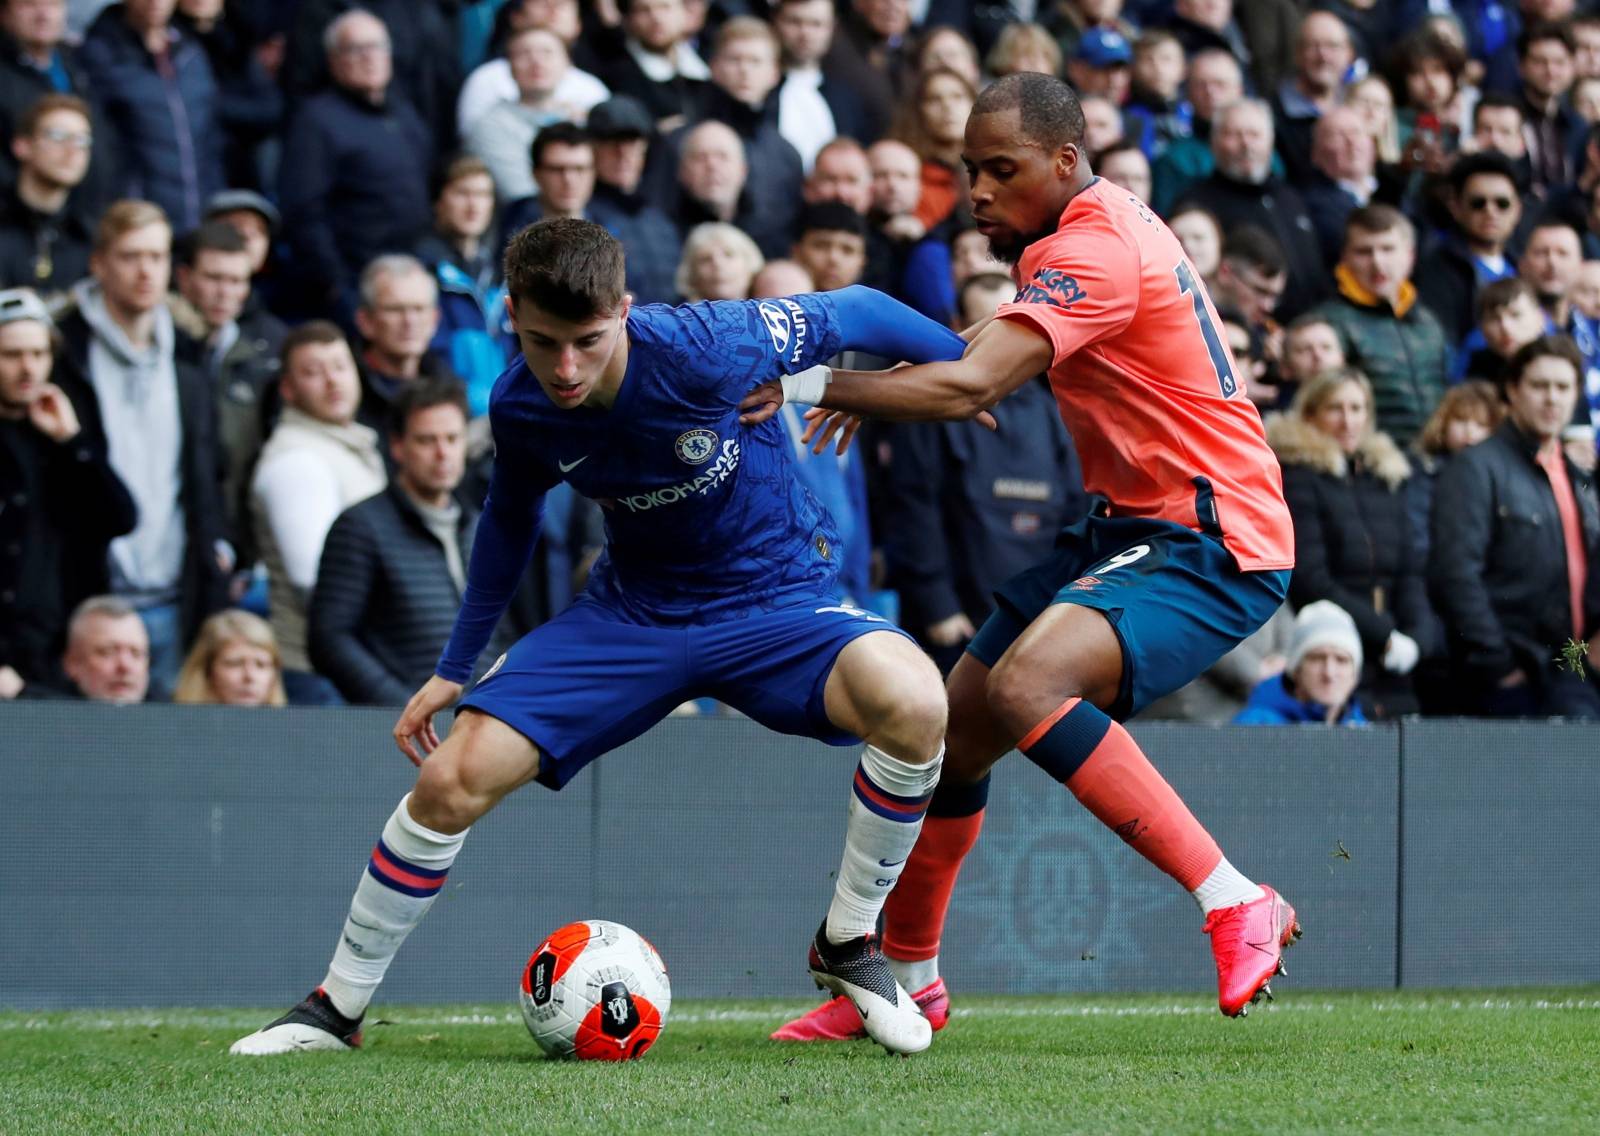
<point>44,242</point>
<point>1487,208</point>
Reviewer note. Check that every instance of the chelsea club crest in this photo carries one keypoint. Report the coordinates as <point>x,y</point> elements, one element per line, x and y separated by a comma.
<point>696,446</point>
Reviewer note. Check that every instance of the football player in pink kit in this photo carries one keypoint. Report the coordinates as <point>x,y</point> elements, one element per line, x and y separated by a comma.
<point>1189,554</point>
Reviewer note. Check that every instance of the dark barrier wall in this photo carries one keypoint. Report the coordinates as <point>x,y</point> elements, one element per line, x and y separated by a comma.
<point>165,855</point>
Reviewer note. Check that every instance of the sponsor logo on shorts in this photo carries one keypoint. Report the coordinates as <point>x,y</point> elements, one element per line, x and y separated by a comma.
<point>696,446</point>
<point>786,323</point>
<point>714,475</point>
<point>1051,286</point>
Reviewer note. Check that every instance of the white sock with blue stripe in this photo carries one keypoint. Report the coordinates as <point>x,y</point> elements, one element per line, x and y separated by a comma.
<point>402,879</point>
<point>887,801</point>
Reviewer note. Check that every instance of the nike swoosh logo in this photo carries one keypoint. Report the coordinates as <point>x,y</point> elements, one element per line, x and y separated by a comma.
<point>565,468</point>
<point>1265,948</point>
<point>889,863</point>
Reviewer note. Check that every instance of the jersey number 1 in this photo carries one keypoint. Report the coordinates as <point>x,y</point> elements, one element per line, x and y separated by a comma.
<point>1188,286</point>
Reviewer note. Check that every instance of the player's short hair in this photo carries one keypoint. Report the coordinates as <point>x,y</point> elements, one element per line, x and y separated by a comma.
<point>123,217</point>
<point>1496,100</point>
<point>1545,347</point>
<point>1253,246</point>
<point>1483,162</point>
<point>830,216</point>
<point>1471,399</point>
<point>1048,109</point>
<point>558,133</point>
<point>49,104</point>
<point>212,236</point>
<point>1379,218</point>
<point>454,169</point>
<point>425,394</point>
<point>1497,295</point>
<point>319,331</point>
<point>568,267</point>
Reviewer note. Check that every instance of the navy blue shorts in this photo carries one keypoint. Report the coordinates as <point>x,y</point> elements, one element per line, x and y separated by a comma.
<point>589,681</point>
<point>1175,598</point>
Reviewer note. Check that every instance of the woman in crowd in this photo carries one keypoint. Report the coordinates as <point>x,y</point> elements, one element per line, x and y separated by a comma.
<point>932,120</point>
<point>1024,47</point>
<point>234,662</point>
<point>1318,685</point>
<point>719,262</point>
<point>1467,414</point>
<point>1345,483</point>
<point>1373,100</point>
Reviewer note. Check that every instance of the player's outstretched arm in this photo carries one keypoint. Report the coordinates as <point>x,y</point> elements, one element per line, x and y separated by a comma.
<point>1002,357</point>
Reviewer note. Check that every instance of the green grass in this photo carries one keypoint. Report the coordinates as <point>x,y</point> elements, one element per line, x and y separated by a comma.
<point>1492,1061</point>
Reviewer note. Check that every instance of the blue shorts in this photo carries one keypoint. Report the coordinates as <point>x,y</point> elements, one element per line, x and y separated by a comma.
<point>589,681</point>
<point>1175,598</point>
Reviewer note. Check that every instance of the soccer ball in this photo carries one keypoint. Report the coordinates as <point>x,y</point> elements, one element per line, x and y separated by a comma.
<point>596,991</point>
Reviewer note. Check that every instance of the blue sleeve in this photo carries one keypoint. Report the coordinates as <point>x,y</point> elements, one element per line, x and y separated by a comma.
<point>927,284</point>
<point>500,553</point>
<point>881,325</point>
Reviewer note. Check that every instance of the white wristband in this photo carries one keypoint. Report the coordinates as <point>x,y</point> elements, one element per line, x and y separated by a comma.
<point>809,386</point>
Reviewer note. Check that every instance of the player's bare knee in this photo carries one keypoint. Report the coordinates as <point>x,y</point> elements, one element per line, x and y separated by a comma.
<point>911,722</point>
<point>441,800</point>
<point>1021,697</point>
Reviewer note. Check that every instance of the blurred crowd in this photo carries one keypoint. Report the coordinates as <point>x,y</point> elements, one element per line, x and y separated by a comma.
<point>251,311</point>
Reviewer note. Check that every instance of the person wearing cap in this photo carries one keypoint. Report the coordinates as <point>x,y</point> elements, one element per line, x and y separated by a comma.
<point>623,133</point>
<point>253,216</point>
<point>44,241</point>
<point>1101,65</point>
<point>1318,685</point>
<point>63,503</point>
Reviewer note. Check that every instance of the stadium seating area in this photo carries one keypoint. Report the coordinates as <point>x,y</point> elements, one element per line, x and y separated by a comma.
<point>251,311</point>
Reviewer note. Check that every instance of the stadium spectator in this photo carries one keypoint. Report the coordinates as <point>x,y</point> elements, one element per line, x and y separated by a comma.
<point>1024,47</point>
<point>1125,164</point>
<point>44,242</point>
<point>1311,347</point>
<point>355,163</point>
<point>1067,20</point>
<point>817,100</point>
<point>1467,414</point>
<point>831,245</point>
<point>317,462</point>
<point>492,83</point>
<point>1585,29</point>
<point>1155,95</point>
<point>238,353</point>
<point>943,46</point>
<point>420,54</point>
<point>1514,533</point>
<point>781,278</point>
<point>932,120</point>
<point>1545,64</point>
<point>234,662</point>
<point>1323,54</point>
<point>711,183</point>
<point>108,652</point>
<point>1386,334</point>
<point>719,262</point>
<point>1200,234</point>
<point>623,134</point>
<point>460,253</point>
<point>1318,684</point>
<point>1244,191</point>
<point>160,428</point>
<point>256,220</point>
<point>1215,81</point>
<point>503,135</point>
<point>1428,75</point>
<point>841,173</point>
<point>658,65</point>
<point>906,260</point>
<point>1508,320</point>
<point>1103,126</point>
<point>1345,176</point>
<point>250,101</point>
<point>1499,125</point>
<point>35,61</point>
<point>1346,486</point>
<point>63,502</point>
<point>161,105</point>
<point>1102,65</point>
<point>966,508</point>
<point>397,319</point>
<point>1487,207</point>
<point>1251,278</point>
<point>1549,262</point>
<point>1371,98</point>
<point>873,43</point>
<point>563,170</point>
<point>394,565</point>
<point>1259,32</point>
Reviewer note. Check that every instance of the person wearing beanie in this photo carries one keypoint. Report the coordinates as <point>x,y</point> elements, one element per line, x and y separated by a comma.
<point>1318,685</point>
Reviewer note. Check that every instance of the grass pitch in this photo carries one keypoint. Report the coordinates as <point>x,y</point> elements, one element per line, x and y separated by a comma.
<point>1492,1061</point>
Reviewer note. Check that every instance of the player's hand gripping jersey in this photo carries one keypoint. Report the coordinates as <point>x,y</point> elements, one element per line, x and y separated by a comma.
<point>1145,381</point>
<point>705,518</point>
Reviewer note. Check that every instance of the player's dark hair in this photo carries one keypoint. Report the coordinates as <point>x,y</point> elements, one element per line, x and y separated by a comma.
<point>1048,108</point>
<point>425,394</point>
<point>831,216</point>
<point>1483,162</point>
<point>312,331</point>
<point>1546,347</point>
<point>568,267</point>
<point>1500,294</point>
<point>213,236</point>
<point>558,133</point>
<point>1257,248</point>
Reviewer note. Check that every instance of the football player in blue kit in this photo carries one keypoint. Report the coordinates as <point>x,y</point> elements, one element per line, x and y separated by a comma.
<point>718,580</point>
